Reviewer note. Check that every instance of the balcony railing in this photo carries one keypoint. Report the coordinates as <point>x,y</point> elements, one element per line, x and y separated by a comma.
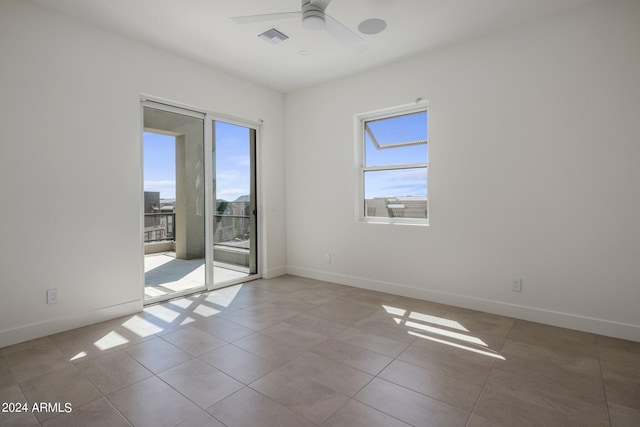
<point>232,230</point>
<point>159,227</point>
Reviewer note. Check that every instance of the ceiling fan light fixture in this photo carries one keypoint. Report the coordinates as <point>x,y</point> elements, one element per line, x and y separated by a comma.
<point>313,21</point>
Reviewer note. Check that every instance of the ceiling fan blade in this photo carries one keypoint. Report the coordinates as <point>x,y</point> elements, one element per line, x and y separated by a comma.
<point>267,17</point>
<point>321,3</point>
<point>342,33</point>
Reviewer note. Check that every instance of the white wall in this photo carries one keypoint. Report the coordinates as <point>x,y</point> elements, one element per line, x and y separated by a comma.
<point>70,164</point>
<point>534,150</point>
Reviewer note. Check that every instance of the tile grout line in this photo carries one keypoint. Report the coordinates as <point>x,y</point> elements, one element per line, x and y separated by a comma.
<point>484,384</point>
<point>604,389</point>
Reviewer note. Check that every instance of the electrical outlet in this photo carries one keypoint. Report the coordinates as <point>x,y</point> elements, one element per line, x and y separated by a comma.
<point>516,285</point>
<point>52,296</point>
<point>327,258</point>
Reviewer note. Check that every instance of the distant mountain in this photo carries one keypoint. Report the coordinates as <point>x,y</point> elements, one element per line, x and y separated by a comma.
<point>245,198</point>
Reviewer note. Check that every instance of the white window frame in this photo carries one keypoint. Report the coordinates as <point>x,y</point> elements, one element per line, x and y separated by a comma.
<point>361,168</point>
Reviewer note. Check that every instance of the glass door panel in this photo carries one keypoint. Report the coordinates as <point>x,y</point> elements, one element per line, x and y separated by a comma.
<point>234,223</point>
<point>174,203</point>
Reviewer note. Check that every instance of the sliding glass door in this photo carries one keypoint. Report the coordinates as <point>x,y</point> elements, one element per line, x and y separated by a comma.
<point>235,225</point>
<point>200,227</point>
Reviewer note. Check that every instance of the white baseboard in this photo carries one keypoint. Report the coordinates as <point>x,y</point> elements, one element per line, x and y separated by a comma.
<point>65,323</point>
<point>274,272</point>
<point>533,314</point>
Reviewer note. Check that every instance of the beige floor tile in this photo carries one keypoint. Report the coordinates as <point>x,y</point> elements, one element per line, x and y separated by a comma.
<point>551,342</point>
<point>488,320</point>
<point>509,401</point>
<point>548,332</point>
<point>419,307</point>
<point>316,324</point>
<point>34,361</point>
<point>372,297</point>
<point>158,355</point>
<point>65,386</point>
<point>373,342</point>
<point>622,384</point>
<point>416,318</point>
<point>202,419</point>
<point>25,345</point>
<point>85,343</point>
<point>285,303</point>
<point>152,402</point>
<point>240,364</point>
<point>561,354</point>
<point>294,335</point>
<point>458,331</point>
<point>323,284</point>
<point>284,285</point>
<point>478,421</point>
<point>314,295</point>
<point>354,356</point>
<point>98,413</point>
<point>618,344</point>
<point>113,371</point>
<point>465,363</point>
<point>248,408</point>
<point>409,406</point>
<point>490,329</point>
<point>622,416</point>
<point>269,348</point>
<point>355,414</point>
<point>570,380</point>
<point>261,316</point>
<point>301,394</point>
<point>344,311</point>
<point>453,391</point>
<point>193,340</point>
<point>6,376</point>
<point>386,327</point>
<point>224,329</point>
<point>17,415</point>
<point>167,318</point>
<point>249,295</point>
<point>333,374</point>
<point>222,300</point>
<point>619,352</point>
<point>201,383</point>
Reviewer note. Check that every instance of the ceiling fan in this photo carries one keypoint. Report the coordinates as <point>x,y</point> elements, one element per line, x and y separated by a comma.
<point>314,18</point>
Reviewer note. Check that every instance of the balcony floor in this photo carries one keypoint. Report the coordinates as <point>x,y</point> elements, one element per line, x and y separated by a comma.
<point>164,274</point>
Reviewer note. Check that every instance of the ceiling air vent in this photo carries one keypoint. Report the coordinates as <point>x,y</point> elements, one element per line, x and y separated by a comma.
<point>273,36</point>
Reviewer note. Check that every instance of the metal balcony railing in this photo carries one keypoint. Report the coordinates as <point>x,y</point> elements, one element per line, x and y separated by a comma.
<point>159,227</point>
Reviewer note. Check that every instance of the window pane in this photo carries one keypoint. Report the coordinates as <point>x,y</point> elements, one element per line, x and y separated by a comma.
<point>396,193</point>
<point>380,150</point>
<point>405,128</point>
<point>394,156</point>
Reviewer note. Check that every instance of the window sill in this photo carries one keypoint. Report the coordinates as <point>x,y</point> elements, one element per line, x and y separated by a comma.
<point>395,221</point>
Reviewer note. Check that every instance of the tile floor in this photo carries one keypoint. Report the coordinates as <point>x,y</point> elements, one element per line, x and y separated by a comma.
<point>298,352</point>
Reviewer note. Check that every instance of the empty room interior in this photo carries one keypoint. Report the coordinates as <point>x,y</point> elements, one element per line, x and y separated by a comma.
<point>316,212</point>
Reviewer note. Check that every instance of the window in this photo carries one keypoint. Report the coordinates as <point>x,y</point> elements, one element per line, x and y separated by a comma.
<point>393,161</point>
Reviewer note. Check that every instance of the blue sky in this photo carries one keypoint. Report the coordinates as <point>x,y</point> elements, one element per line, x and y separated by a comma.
<point>160,164</point>
<point>232,168</point>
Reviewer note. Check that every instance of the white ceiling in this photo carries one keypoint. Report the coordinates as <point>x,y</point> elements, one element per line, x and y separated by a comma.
<point>202,30</point>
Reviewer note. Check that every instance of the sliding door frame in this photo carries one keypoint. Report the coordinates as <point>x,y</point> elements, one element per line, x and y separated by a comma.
<point>209,119</point>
